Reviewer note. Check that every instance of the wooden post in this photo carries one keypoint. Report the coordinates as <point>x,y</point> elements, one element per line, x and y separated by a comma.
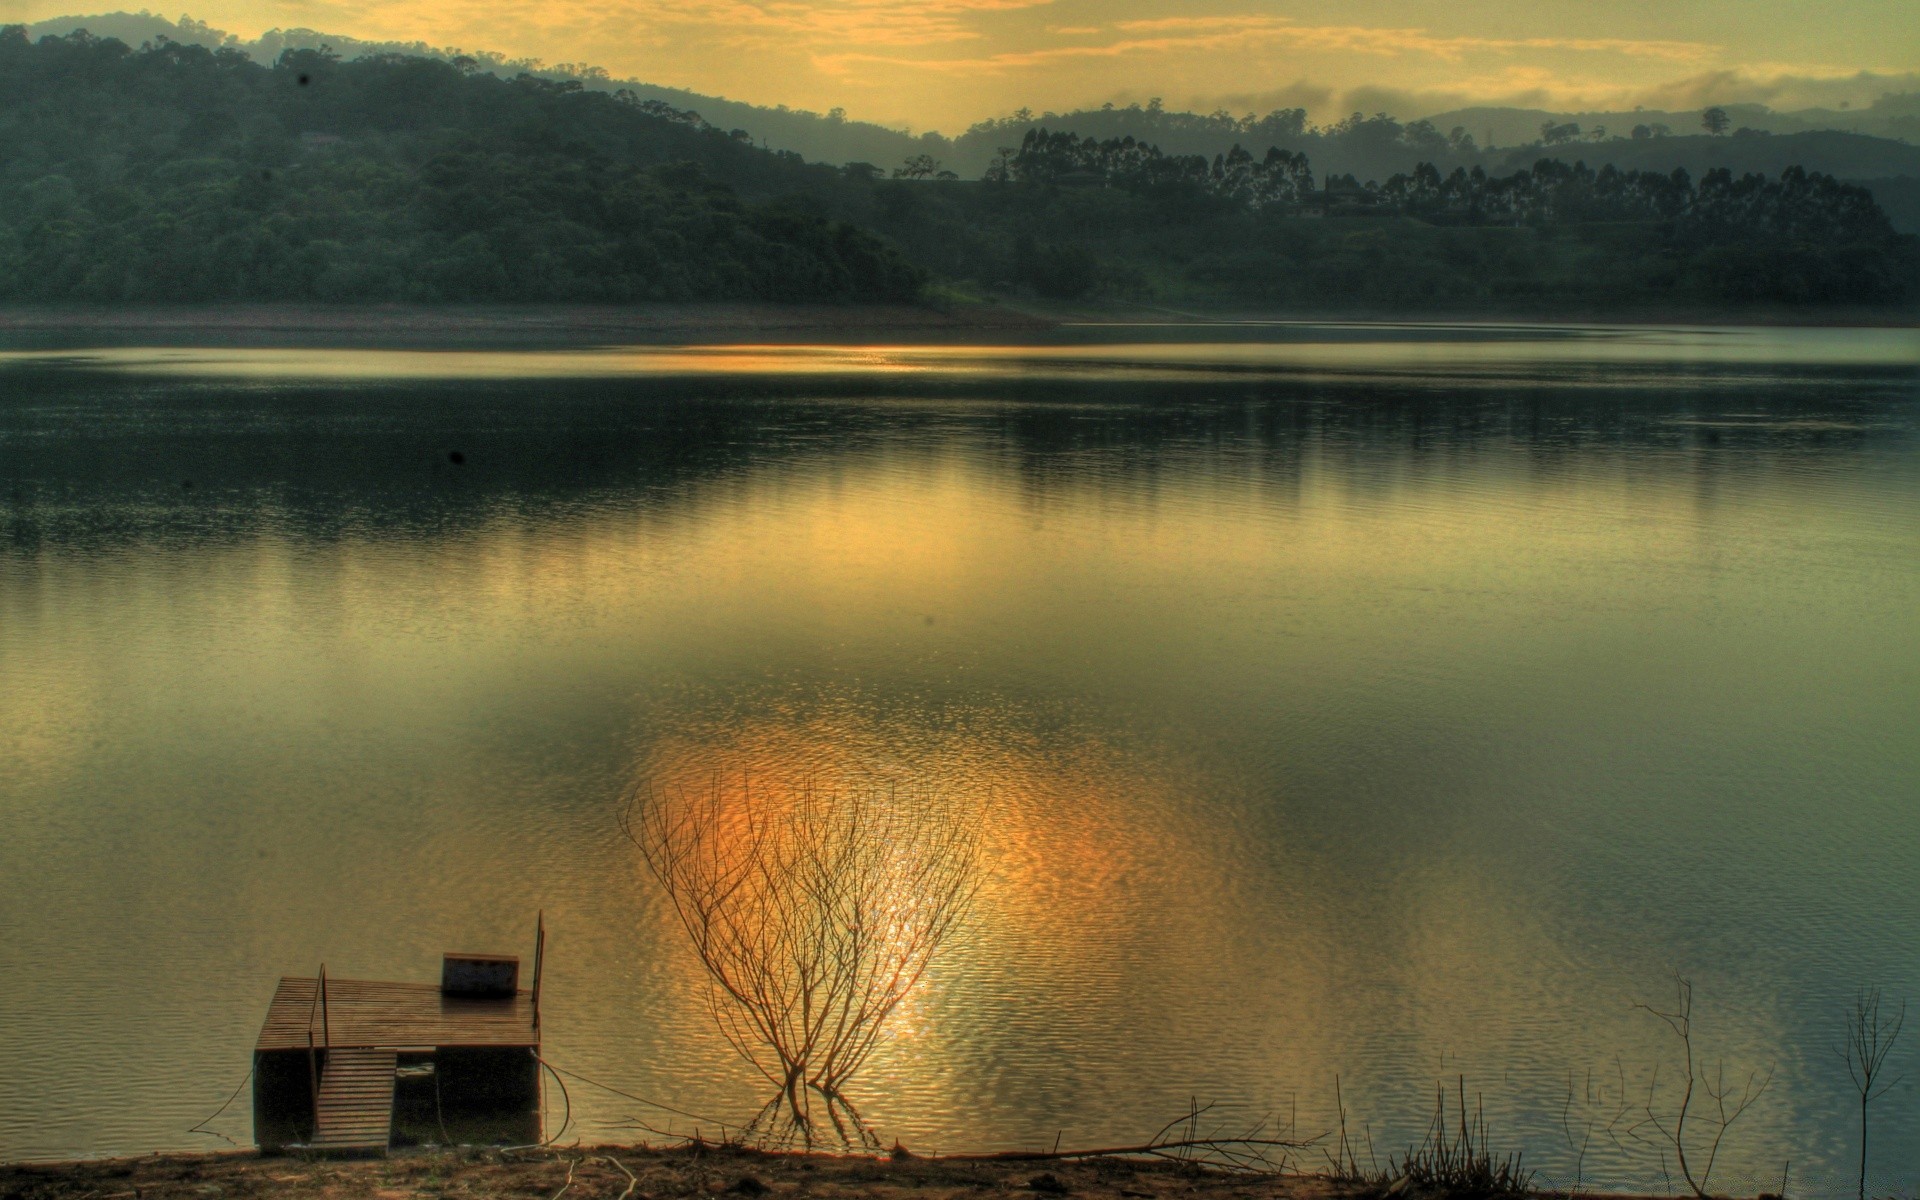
<point>326,1023</point>
<point>313,1083</point>
<point>539,960</point>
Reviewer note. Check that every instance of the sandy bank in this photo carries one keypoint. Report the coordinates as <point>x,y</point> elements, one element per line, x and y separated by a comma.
<point>613,1172</point>
<point>603,1174</point>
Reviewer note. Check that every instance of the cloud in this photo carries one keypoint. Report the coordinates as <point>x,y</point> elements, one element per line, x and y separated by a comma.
<point>1317,99</point>
<point>741,24</point>
<point>838,22</point>
<point>941,62</point>
<point>1186,35</point>
<point>1392,41</point>
<point>1535,87</point>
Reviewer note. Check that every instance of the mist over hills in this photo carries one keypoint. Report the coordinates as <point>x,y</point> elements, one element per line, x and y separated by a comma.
<point>1895,116</point>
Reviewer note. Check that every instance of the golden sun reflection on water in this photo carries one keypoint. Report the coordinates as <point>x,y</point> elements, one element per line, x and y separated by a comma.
<point>1299,349</point>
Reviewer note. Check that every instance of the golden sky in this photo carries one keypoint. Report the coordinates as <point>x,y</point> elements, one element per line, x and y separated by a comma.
<point>943,64</point>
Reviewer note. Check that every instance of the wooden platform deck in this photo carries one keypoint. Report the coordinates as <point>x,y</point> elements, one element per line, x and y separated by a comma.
<point>355,1113</point>
<point>393,1016</point>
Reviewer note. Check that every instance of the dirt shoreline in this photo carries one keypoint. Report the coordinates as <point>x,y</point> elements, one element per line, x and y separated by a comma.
<point>606,1173</point>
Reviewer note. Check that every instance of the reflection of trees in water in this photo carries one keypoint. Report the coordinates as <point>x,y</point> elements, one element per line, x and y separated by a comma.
<point>814,913</point>
<point>1377,436</point>
<point>97,460</point>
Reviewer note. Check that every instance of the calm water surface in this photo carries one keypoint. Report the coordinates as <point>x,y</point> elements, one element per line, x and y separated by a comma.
<point>1384,703</point>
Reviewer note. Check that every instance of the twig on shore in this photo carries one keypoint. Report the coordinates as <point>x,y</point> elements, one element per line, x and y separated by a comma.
<point>571,1164</point>
<point>1250,1151</point>
<point>633,1181</point>
<point>1165,1149</point>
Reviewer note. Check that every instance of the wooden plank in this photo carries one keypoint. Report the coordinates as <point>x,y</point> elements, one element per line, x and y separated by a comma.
<point>355,1109</point>
<point>371,1013</point>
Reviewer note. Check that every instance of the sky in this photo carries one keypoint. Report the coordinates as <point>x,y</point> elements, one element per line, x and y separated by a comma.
<point>943,64</point>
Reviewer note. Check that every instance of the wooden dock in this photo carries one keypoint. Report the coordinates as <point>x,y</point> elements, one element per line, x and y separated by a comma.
<point>355,1108</point>
<point>360,1013</point>
<point>326,1057</point>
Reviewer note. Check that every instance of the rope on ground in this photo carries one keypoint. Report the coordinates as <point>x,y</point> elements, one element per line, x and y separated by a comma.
<point>202,1126</point>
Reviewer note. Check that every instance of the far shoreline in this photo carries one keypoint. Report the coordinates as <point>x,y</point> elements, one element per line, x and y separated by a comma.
<point>565,326</point>
<point>475,327</point>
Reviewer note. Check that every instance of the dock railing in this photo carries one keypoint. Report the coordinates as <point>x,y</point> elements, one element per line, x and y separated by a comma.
<point>319,1007</point>
<point>539,960</point>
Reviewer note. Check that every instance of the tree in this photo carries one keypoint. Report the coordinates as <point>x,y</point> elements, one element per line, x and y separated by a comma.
<point>919,166</point>
<point>1868,1040</point>
<point>813,913</point>
<point>1554,134</point>
<point>1715,120</point>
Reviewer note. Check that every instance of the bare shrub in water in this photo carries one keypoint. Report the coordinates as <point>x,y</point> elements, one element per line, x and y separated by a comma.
<point>1670,1127</point>
<point>814,912</point>
<point>1458,1160</point>
<point>1870,1038</point>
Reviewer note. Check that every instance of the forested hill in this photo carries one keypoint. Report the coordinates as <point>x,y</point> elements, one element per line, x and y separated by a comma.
<point>1070,216</point>
<point>1379,146</point>
<point>175,172</point>
<point>186,173</point>
<point>820,137</point>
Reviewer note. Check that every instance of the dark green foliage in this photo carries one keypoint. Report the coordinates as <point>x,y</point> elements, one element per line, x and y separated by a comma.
<point>1056,272</point>
<point>1065,217</point>
<point>180,173</point>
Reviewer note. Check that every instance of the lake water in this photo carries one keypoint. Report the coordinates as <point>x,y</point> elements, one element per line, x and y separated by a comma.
<point>1388,704</point>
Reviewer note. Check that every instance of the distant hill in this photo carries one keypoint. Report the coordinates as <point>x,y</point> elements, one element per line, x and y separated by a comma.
<point>819,137</point>
<point>1366,147</point>
<point>180,173</point>
<point>1379,147</point>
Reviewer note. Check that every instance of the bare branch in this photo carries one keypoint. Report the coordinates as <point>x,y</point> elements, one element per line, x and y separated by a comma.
<point>1869,1039</point>
<point>1728,1108</point>
<point>814,913</point>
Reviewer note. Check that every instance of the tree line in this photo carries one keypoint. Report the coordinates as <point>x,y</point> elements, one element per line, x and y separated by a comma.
<point>1799,204</point>
<point>178,172</point>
